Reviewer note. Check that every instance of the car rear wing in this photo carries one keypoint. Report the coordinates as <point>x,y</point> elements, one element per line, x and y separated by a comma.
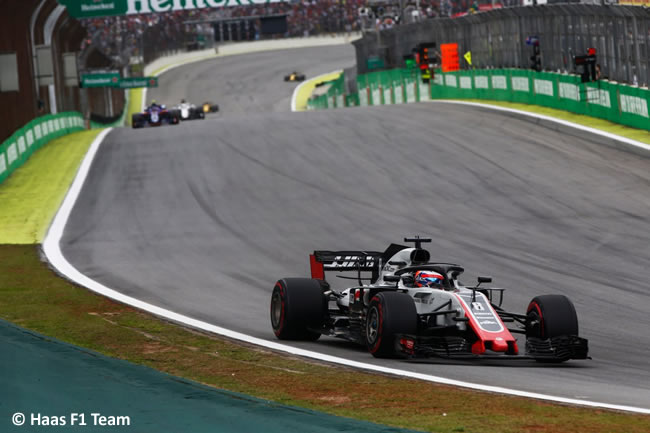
<point>349,261</point>
<point>345,261</point>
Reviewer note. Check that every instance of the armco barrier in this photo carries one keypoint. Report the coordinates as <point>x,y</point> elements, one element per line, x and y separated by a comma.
<point>16,149</point>
<point>618,103</point>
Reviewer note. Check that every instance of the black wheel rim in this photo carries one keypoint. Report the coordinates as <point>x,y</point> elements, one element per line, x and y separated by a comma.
<point>276,309</point>
<point>533,324</point>
<point>372,326</point>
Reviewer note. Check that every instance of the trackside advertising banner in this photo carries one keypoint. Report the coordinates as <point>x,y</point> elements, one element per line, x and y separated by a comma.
<point>100,8</point>
<point>618,103</point>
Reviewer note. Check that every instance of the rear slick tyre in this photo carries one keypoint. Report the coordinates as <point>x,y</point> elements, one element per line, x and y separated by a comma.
<point>298,308</point>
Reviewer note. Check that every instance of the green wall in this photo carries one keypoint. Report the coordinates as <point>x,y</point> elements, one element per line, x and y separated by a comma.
<point>619,103</point>
<point>18,148</point>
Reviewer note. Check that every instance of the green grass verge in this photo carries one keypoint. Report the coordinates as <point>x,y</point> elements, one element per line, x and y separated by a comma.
<point>592,122</point>
<point>32,296</point>
<point>31,196</point>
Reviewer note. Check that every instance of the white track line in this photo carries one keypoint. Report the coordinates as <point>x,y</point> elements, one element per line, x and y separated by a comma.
<point>550,119</point>
<point>52,250</point>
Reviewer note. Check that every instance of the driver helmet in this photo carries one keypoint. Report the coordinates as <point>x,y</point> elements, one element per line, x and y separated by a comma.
<point>182,101</point>
<point>153,102</point>
<point>428,279</point>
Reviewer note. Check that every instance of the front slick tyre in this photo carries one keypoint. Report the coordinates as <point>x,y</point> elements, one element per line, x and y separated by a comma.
<point>551,316</point>
<point>298,306</point>
<point>389,315</point>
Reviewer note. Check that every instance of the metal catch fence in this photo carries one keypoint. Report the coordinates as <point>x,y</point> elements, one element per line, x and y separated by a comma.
<point>497,39</point>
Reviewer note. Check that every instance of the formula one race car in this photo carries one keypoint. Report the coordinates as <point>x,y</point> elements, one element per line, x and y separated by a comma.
<point>190,111</point>
<point>155,115</point>
<point>209,107</point>
<point>294,76</point>
<point>416,308</point>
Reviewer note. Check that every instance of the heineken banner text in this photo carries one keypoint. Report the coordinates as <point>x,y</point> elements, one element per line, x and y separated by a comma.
<point>98,8</point>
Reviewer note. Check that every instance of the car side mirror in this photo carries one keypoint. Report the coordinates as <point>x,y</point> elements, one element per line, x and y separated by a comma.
<point>392,278</point>
<point>484,280</point>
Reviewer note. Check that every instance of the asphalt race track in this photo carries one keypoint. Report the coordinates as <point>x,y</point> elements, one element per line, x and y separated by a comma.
<point>204,217</point>
<point>248,83</point>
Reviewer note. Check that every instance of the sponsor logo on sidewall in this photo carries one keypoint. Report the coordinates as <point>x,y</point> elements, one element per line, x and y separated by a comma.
<point>450,81</point>
<point>349,262</point>
<point>12,153</point>
<point>376,95</point>
<point>399,98</point>
<point>410,92</point>
<point>598,97</point>
<point>387,96</point>
<point>148,6</point>
<point>363,97</point>
<point>480,310</point>
<point>520,84</point>
<point>499,82</point>
<point>3,163</point>
<point>21,145</point>
<point>481,83</point>
<point>569,91</point>
<point>634,105</point>
<point>465,82</point>
<point>543,87</point>
<point>101,7</point>
<point>424,91</point>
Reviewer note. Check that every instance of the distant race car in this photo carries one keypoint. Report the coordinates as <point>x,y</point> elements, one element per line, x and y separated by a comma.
<point>209,107</point>
<point>412,307</point>
<point>190,111</point>
<point>294,76</point>
<point>155,115</point>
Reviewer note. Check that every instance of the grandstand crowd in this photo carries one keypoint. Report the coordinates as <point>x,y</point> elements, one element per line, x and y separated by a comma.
<point>116,35</point>
<point>123,36</point>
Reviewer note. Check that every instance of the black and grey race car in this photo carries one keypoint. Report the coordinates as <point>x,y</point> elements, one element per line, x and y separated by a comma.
<point>413,307</point>
<point>294,76</point>
<point>155,115</point>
